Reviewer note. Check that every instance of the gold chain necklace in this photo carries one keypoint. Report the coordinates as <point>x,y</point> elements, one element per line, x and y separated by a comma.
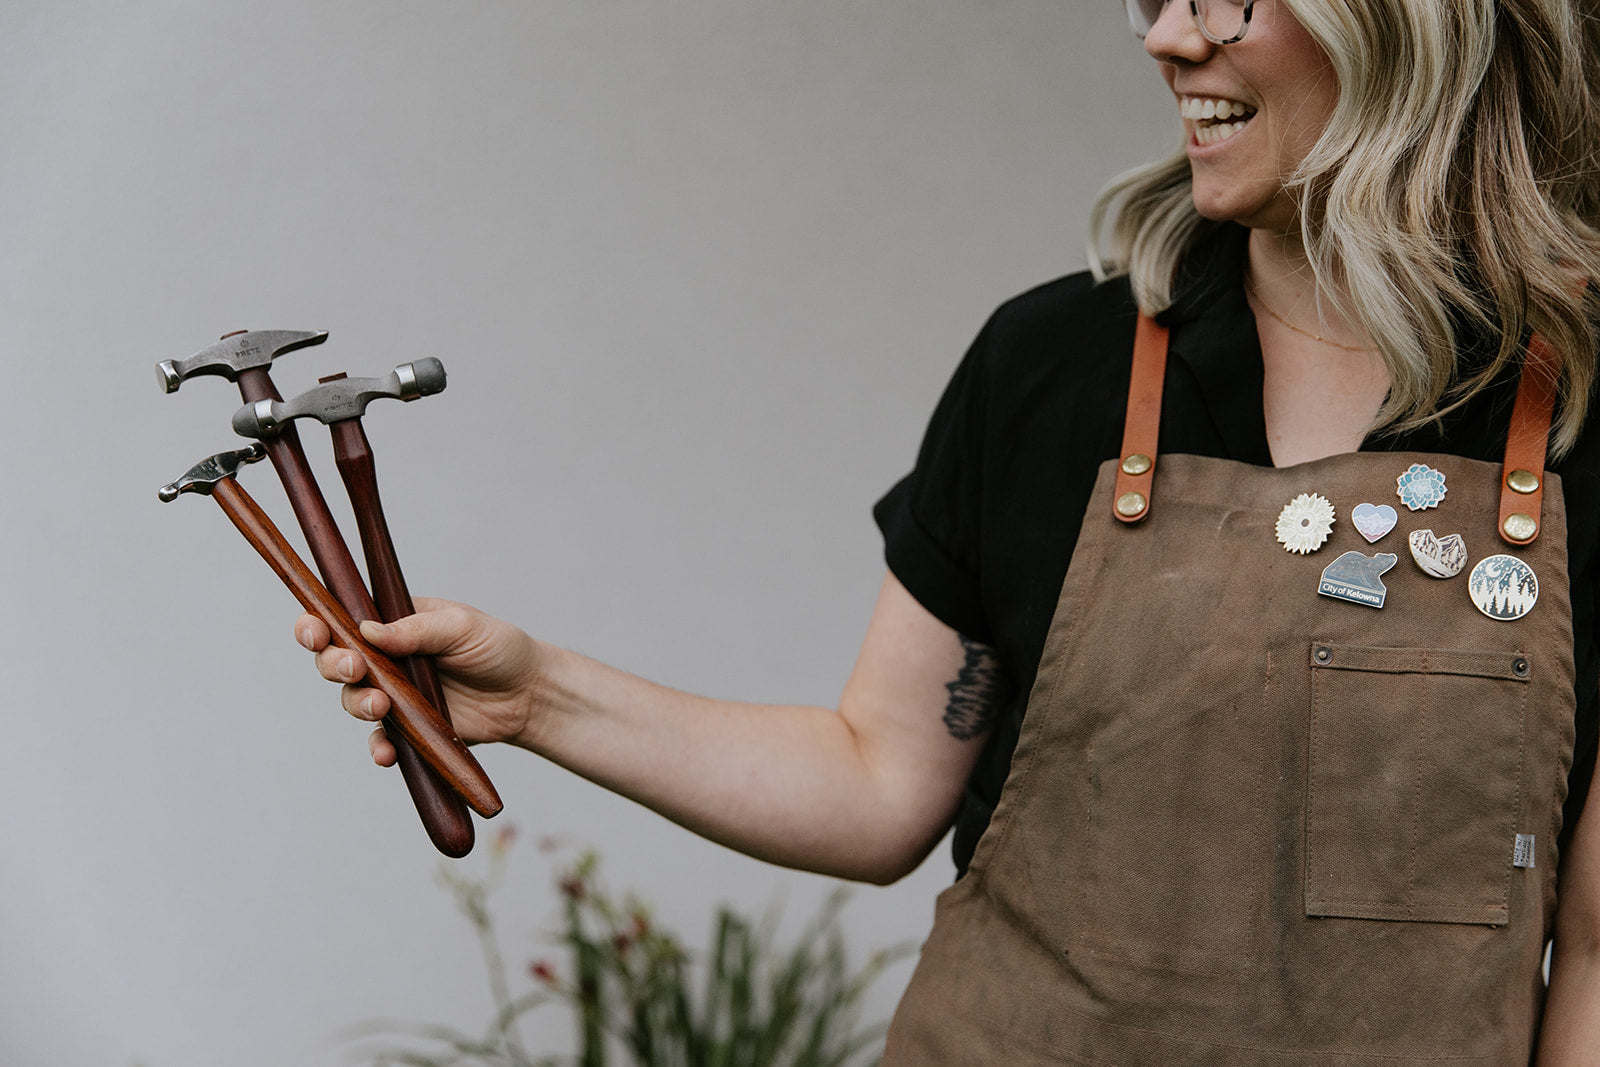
<point>1251,285</point>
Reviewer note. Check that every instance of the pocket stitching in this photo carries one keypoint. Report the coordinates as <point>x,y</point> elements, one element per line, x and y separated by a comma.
<point>1459,662</point>
<point>1522,759</point>
<point>1416,788</point>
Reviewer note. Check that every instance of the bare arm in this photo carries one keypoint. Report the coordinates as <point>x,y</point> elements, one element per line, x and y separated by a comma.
<point>863,791</point>
<point>1571,1032</point>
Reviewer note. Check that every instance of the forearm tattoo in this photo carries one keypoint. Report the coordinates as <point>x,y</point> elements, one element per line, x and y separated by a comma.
<point>977,693</point>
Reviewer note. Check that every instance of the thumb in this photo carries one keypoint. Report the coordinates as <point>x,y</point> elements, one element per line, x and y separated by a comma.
<point>428,633</point>
<point>389,637</point>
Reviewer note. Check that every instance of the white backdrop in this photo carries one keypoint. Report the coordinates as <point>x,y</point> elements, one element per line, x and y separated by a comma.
<point>698,271</point>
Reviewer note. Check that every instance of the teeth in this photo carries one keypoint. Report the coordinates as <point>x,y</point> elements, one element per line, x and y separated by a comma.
<point>1211,116</point>
<point>1200,108</point>
<point>1207,135</point>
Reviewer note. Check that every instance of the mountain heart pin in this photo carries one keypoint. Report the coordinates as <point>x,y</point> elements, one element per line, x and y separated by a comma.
<point>1372,521</point>
<point>1442,557</point>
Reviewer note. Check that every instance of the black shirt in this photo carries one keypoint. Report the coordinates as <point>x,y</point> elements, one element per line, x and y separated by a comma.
<point>982,529</point>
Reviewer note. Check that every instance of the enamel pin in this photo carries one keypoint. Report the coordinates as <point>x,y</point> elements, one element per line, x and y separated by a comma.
<point>1372,521</point>
<point>1503,587</point>
<point>1355,577</point>
<point>1420,487</point>
<point>1305,523</point>
<point>1442,557</point>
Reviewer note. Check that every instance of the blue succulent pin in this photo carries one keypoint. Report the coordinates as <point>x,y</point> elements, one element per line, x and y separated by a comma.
<point>1421,487</point>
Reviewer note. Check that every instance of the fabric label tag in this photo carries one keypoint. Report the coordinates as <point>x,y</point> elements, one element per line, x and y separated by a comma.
<point>1523,857</point>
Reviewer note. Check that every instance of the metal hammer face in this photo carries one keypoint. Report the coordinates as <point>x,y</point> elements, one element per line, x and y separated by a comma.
<point>342,399</point>
<point>204,476</point>
<point>235,354</point>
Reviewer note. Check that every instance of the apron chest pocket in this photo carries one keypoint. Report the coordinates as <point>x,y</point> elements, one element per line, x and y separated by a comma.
<point>1414,782</point>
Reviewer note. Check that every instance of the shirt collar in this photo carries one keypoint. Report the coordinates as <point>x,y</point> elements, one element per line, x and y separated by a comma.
<point>1214,336</point>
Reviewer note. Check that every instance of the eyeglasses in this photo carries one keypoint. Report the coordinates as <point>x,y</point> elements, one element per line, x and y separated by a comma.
<point>1222,21</point>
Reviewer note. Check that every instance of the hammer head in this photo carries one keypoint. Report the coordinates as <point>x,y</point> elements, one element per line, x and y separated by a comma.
<point>340,399</point>
<point>204,476</point>
<point>235,354</point>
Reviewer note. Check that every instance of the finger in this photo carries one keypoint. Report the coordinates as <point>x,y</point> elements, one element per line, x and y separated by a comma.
<point>383,753</point>
<point>429,633</point>
<point>341,664</point>
<point>312,633</point>
<point>364,703</point>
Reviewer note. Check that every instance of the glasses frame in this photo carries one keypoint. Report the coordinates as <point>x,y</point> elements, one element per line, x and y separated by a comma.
<point>1134,17</point>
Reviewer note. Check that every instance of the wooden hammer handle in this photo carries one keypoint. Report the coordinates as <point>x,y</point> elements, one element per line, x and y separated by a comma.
<point>353,454</point>
<point>443,813</point>
<point>328,549</point>
<point>416,721</point>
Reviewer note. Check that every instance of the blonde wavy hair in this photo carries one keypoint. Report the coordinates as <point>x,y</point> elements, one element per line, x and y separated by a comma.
<point>1457,185</point>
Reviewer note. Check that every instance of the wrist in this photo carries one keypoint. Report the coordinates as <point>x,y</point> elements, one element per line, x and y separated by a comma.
<point>542,693</point>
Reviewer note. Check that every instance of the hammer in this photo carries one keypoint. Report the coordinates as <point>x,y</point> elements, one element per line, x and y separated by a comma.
<point>339,402</point>
<point>415,720</point>
<point>246,357</point>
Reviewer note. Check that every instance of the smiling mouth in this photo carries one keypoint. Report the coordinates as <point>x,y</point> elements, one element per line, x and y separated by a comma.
<point>1215,118</point>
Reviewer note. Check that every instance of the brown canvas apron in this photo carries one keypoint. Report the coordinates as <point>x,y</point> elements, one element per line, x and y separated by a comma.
<point>1246,823</point>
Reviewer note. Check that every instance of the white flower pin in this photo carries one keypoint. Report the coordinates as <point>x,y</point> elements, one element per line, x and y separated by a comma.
<point>1305,523</point>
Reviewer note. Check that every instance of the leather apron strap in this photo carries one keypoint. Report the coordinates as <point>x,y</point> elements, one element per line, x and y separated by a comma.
<point>1522,481</point>
<point>1522,486</point>
<point>1131,501</point>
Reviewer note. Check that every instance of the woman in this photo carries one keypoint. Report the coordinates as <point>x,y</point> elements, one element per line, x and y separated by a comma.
<point>1280,794</point>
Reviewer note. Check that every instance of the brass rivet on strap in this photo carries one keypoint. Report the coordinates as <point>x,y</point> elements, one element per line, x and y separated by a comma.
<point>1137,463</point>
<point>1520,527</point>
<point>1131,504</point>
<point>1523,481</point>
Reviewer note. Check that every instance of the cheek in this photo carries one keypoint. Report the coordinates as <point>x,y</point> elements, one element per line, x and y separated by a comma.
<point>1303,109</point>
<point>1312,119</point>
<point>1310,93</point>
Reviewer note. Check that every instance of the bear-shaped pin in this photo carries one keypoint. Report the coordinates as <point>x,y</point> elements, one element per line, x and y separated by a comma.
<point>1355,577</point>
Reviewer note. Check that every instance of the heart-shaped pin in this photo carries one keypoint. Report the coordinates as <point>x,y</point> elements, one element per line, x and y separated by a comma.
<point>1372,521</point>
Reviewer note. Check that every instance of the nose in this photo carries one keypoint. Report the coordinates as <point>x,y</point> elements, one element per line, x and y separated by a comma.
<point>1175,38</point>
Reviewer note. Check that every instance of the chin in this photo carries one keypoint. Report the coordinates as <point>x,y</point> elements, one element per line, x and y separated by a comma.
<point>1214,212</point>
<point>1251,213</point>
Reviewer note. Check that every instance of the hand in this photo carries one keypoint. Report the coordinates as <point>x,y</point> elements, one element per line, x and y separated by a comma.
<point>489,669</point>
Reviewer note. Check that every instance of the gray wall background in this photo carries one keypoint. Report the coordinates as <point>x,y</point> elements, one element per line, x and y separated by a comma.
<point>698,271</point>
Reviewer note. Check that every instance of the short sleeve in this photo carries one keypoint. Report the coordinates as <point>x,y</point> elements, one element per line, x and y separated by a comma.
<point>930,520</point>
